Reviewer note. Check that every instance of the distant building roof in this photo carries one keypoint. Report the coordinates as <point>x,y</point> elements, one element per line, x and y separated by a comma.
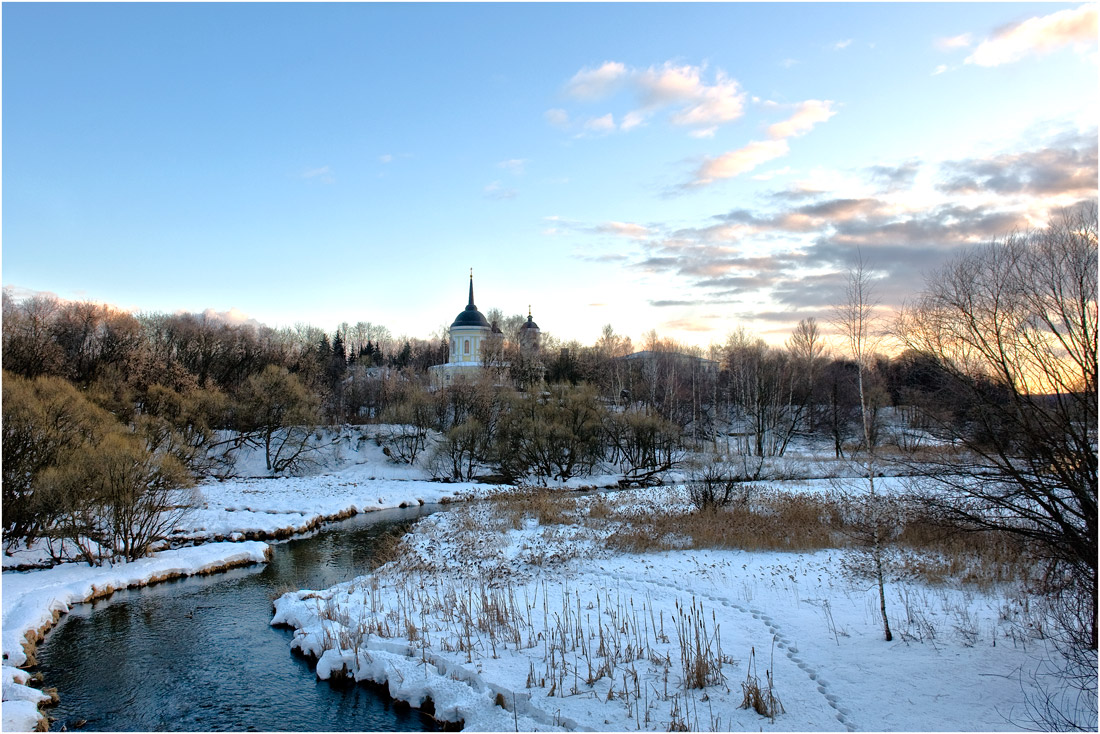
<point>530,324</point>
<point>471,316</point>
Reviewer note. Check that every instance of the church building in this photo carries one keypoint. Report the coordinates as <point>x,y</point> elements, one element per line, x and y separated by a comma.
<point>471,337</point>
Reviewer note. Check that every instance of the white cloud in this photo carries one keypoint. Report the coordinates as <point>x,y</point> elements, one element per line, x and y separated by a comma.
<point>19,293</point>
<point>808,114</point>
<point>322,174</point>
<point>514,165</point>
<point>769,175</point>
<point>788,63</point>
<point>734,163</point>
<point>706,104</point>
<point>1039,36</point>
<point>603,124</point>
<point>723,102</point>
<point>694,102</point>
<point>624,229</point>
<point>669,84</point>
<point>557,117</point>
<point>596,83</point>
<point>841,45</point>
<point>234,317</point>
<point>706,132</point>
<point>950,44</point>
<point>385,158</point>
<point>939,70</point>
<point>739,161</point>
<point>632,119</point>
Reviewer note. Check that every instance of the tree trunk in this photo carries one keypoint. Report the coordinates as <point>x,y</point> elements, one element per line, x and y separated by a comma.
<point>876,518</point>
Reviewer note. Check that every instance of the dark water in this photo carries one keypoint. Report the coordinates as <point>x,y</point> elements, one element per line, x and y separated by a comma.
<point>199,654</point>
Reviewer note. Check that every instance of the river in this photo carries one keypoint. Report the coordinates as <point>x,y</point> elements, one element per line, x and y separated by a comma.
<point>199,654</point>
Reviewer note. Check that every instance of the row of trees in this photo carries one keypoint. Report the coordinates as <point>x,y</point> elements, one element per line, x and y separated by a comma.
<point>557,432</point>
<point>765,396</point>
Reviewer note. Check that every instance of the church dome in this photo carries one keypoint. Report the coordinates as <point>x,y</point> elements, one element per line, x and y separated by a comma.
<point>530,323</point>
<point>470,316</point>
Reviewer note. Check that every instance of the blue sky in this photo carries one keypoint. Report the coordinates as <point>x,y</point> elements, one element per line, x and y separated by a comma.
<point>688,168</point>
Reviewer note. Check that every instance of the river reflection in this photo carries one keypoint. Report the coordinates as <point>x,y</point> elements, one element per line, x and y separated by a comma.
<point>199,654</point>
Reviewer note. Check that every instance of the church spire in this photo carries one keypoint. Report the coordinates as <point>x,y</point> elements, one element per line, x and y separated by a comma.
<point>471,305</point>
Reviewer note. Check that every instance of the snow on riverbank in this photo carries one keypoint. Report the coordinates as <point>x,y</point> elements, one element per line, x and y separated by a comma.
<point>276,508</point>
<point>505,623</point>
<point>352,475</point>
<point>279,508</point>
<point>33,602</point>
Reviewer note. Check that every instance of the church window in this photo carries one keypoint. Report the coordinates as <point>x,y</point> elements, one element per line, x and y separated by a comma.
<point>466,347</point>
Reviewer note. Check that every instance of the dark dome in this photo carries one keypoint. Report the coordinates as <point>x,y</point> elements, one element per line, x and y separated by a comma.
<point>471,317</point>
<point>530,324</point>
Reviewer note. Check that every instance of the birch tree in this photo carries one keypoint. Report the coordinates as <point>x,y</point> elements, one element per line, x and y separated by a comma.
<point>857,322</point>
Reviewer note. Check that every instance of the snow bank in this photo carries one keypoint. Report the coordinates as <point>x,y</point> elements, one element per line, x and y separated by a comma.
<point>33,602</point>
<point>286,506</point>
<point>458,693</point>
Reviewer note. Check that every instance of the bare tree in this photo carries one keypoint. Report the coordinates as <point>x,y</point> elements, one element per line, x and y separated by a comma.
<point>856,321</point>
<point>762,396</point>
<point>28,340</point>
<point>409,422</point>
<point>278,414</point>
<point>643,445</point>
<point>1015,324</point>
<point>806,346</point>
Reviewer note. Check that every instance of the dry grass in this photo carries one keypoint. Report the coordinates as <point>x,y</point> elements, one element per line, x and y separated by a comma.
<point>549,507</point>
<point>700,647</point>
<point>605,648</point>
<point>776,520</point>
<point>982,559</point>
<point>772,521</point>
<point>761,700</point>
<point>387,547</point>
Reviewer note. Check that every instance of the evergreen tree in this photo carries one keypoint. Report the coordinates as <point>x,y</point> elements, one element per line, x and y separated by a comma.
<point>404,356</point>
<point>338,352</point>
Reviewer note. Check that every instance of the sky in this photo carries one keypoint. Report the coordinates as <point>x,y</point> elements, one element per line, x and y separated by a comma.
<point>684,168</point>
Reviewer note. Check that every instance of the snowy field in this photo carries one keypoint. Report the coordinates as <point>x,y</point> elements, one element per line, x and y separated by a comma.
<point>505,622</point>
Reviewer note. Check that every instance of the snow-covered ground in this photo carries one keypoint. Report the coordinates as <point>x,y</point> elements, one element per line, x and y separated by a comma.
<point>279,508</point>
<point>34,600</point>
<point>504,622</point>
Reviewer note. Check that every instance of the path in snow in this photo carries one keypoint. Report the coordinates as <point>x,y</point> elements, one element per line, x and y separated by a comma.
<point>781,641</point>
